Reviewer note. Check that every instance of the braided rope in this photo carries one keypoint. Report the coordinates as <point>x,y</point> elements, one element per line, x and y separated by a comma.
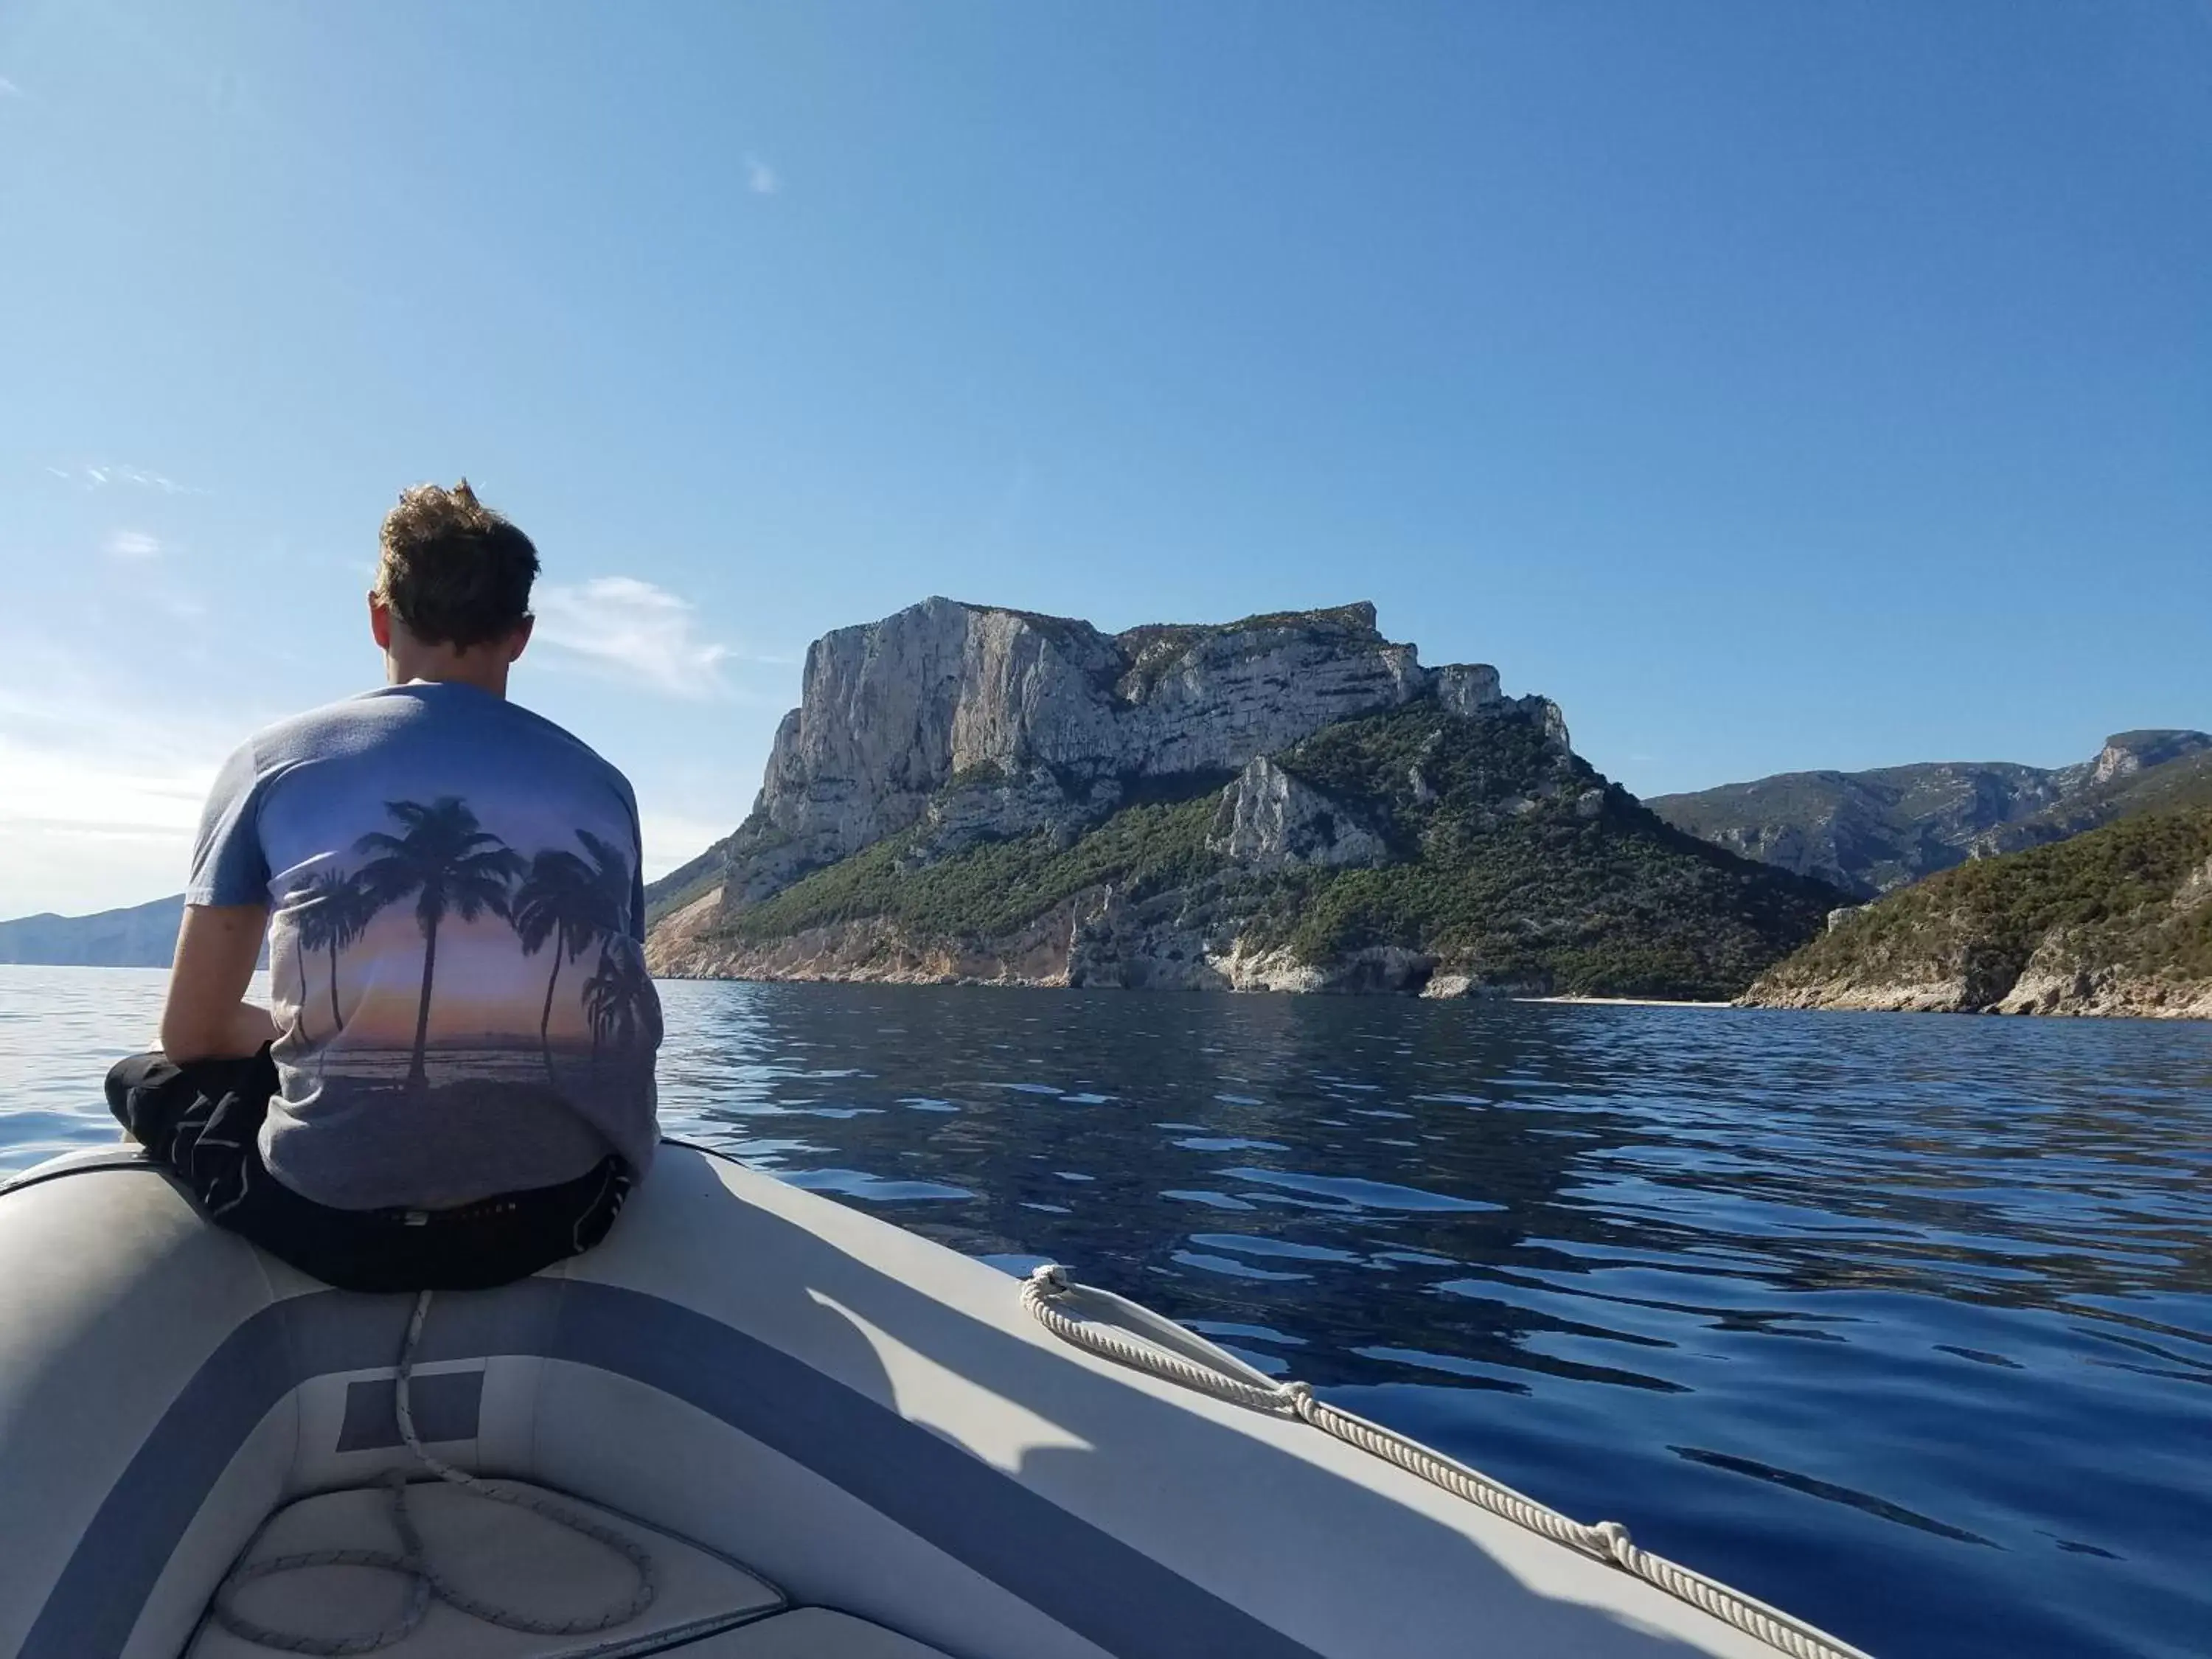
<point>418,1599</point>
<point>412,1562</point>
<point>1171,1352</point>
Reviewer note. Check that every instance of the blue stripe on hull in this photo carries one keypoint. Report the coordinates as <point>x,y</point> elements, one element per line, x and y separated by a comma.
<point>1113,1596</point>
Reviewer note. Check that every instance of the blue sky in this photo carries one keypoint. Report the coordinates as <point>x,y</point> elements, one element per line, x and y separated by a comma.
<point>1777,386</point>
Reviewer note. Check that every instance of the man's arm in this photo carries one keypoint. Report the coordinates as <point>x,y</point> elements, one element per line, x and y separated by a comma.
<point>207,1016</point>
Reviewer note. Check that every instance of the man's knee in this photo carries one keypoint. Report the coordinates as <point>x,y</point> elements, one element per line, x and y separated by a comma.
<point>130,1080</point>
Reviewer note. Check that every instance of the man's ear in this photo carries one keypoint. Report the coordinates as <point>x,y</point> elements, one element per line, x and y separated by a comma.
<point>379,622</point>
<point>519,640</point>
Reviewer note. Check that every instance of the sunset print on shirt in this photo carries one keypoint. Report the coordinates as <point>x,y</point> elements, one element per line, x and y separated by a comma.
<point>439,956</point>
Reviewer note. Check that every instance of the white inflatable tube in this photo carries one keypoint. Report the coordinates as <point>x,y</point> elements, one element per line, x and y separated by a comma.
<point>867,1422</point>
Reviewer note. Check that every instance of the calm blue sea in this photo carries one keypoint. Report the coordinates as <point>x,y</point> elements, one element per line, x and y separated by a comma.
<point>1905,1323</point>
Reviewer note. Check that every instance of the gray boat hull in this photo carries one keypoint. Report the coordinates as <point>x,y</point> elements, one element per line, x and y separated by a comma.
<point>866,1421</point>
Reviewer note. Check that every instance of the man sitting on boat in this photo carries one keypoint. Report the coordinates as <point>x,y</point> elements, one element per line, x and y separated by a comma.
<point>453,1085</point>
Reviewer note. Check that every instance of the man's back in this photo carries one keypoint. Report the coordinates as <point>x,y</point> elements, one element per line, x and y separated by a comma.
<point>454,961</point>
<point>453,1087</point>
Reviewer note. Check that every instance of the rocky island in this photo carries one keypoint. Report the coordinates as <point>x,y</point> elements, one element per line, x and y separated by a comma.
<point>1290,802</point>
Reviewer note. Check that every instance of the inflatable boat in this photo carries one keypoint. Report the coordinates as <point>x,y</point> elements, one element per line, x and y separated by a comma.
<point>752,1424</point>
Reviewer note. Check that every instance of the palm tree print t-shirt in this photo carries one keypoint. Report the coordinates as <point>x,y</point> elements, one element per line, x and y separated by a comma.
<point>455,947</point>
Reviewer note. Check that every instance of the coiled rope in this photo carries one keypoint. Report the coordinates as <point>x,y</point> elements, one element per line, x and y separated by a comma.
<point>1162,1349</point>
<point>412,1561</point>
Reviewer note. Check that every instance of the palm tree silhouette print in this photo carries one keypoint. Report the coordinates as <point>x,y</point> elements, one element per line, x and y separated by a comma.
<point>452,864</point>
<point>335,911</point>
<point>572,903</point>
<point>619,999</point>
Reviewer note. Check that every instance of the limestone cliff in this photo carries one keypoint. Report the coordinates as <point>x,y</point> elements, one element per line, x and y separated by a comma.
<point>1043,722</point>
<point>1288,802</point>
<point>1269,820</point>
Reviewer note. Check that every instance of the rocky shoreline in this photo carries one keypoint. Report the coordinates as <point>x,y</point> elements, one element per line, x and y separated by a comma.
<point>1050,952</point>
<point>1048,955</point>
<point>2076,994</point>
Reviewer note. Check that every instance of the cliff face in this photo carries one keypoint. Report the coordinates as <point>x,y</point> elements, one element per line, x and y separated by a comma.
<point>2116,920</point>
<point>1040,722</point>
<point>1269,820</point>
<point>1291,802</point>
<point>1871,832</point>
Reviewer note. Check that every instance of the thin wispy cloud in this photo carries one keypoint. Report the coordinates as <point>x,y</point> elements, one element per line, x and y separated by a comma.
<point>104,475</point>
<point>134,545</point>
<point>631,630</point>
<point>761,179</point>
<point>9,88</point>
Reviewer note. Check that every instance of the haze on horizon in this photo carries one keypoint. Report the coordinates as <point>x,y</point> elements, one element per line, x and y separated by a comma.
<point>1775,387</point>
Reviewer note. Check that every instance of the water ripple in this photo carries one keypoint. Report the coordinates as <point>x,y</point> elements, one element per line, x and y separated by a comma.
<point>1814,1302</point>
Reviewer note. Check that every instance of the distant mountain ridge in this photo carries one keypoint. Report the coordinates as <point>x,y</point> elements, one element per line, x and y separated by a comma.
<point>141,936</point>
<point>1871,832</point>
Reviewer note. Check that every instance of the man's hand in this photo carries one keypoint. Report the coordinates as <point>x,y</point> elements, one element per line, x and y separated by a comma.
<point>206,1016</point>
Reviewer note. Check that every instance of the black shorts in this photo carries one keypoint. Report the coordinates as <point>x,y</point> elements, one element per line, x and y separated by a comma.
<point>204,1120</point>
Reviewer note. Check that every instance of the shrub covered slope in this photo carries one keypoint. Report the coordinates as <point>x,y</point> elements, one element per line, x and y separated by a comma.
<point>2114,920</point>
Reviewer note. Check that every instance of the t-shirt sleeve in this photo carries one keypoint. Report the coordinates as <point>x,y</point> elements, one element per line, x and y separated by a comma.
<point>636,874</point>
<point>228,864</point>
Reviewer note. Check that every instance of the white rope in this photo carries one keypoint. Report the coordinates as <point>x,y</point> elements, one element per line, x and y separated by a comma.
<point>413,1563</point>
<point>1168,1351</point>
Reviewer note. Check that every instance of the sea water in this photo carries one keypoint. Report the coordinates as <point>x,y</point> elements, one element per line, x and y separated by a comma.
<point>1902,1323</point>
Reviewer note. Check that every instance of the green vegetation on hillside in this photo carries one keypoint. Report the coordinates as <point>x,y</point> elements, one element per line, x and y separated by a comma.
<point>997,887</point>
<point>1515,862</point>
<point>1524,864</point>
<point>2115,898</point>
